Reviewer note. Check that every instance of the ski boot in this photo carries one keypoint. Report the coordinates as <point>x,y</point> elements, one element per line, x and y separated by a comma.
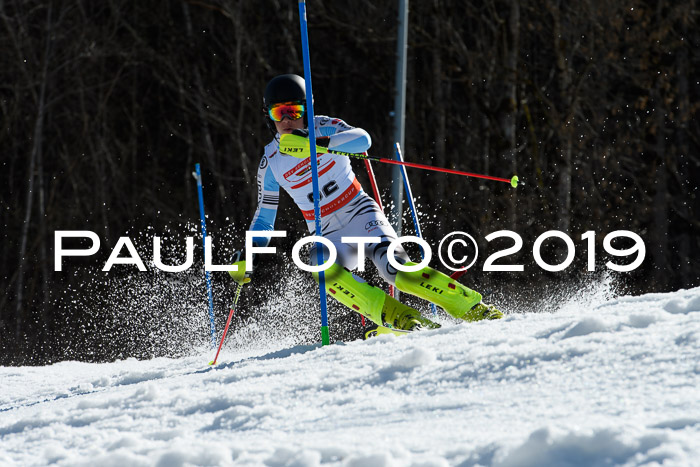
<point>459,301</point>
<point>396,315</point>
<point>372,302</point>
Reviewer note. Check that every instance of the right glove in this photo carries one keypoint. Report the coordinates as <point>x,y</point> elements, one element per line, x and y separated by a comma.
<point>241,276</point>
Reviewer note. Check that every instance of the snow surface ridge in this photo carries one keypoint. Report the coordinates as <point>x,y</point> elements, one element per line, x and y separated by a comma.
<point>599,382</point>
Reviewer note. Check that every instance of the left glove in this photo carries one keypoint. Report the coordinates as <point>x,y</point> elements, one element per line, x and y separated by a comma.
<point>241,276</point>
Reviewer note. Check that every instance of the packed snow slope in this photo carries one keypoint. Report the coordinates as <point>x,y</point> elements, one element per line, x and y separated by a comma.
<point>609,383</point>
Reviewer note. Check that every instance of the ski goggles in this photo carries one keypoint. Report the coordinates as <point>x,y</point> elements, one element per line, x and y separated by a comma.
<point>291,110</point>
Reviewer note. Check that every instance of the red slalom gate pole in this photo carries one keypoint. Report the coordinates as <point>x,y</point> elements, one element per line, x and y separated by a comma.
<point>457,274</point>
<point>373,182</point>
<point>378,199</point>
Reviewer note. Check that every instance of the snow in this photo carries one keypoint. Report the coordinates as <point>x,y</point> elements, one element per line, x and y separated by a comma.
<point>597,382</point>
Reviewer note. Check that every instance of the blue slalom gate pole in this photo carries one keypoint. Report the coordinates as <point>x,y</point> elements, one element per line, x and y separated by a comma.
<point>325,335</point>
<point>414,213</point>
<point>207,275</point>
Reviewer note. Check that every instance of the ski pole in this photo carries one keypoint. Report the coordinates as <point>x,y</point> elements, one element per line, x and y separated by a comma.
<point>298,146</point>
<point>228,322</point>
<point>325,333</point>
<point>198,176</point>
<point>414,213</point>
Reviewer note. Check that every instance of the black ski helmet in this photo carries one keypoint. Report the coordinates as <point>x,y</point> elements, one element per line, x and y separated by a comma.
<point>283,88</point>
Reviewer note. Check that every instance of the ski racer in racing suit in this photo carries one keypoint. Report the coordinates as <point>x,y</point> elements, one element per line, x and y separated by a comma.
<point>346,211</point>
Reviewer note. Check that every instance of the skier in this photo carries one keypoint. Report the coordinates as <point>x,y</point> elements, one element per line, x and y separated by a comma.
<point>346,211</point>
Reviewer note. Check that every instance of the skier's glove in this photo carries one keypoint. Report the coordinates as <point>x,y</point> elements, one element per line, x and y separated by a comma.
<point>322,141</point>
<point>241,276</point>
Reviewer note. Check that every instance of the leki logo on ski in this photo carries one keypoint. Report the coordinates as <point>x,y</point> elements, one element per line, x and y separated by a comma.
<point>432,288</point>
<point>343,290</point>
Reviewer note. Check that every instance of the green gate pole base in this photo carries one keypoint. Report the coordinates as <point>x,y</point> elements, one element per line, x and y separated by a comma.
<point>325,335</point>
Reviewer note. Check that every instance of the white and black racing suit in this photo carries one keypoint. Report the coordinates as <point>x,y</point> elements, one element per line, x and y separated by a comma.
<point>346,210</point>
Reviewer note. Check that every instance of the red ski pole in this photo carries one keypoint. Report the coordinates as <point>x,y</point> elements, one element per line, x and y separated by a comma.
<point>298,146</point>
<point>228,322</point>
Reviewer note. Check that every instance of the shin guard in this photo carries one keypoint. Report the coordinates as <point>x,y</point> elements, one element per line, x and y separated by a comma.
<point>358,296</point>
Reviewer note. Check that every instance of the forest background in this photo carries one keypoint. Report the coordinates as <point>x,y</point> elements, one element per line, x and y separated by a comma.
<point>106,107</point>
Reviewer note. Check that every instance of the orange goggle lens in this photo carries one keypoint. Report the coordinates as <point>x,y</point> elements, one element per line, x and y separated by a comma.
<point>291,110</point>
